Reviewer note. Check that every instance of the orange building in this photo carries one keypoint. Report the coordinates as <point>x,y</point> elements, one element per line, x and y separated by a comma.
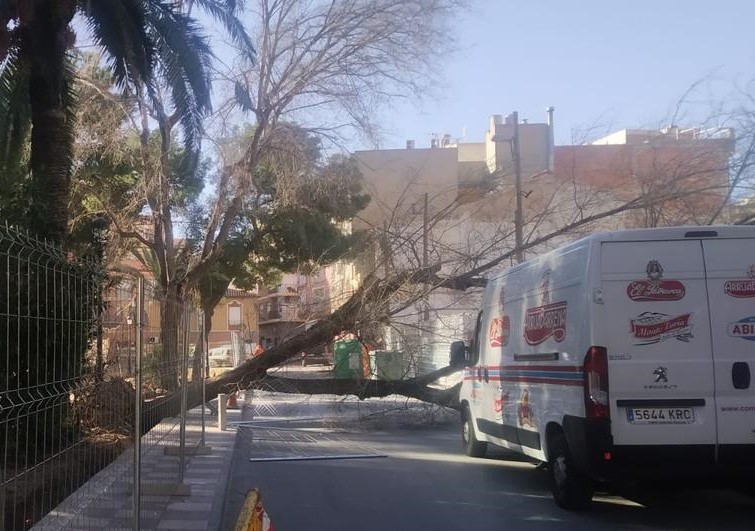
<point>236,313</point>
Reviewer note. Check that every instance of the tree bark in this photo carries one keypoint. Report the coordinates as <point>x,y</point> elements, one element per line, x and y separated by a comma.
<point>44,38</point>
<point>362,389</point>
<point>196,360</point>
<point>199,350</point>
<point>171,311</point>
<point>414,388</point>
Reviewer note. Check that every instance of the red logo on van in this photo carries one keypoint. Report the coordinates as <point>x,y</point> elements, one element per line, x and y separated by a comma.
<point>742,289</point>
<point>651,328</point>
<point>654,288</point>
<point>500,329</point>
<point>744,328</point>
<point>542,322</point>
<point>500,403</point>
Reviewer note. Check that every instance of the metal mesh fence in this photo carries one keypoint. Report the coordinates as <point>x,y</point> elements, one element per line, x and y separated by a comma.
<point>75,347</point>
<point>166,377</point>
<point>51,366</point>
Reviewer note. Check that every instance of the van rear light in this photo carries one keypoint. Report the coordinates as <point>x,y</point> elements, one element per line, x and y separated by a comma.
<point>595,372</point>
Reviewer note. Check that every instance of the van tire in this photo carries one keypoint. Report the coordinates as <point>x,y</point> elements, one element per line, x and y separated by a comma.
<point>571,489</point>
<point>472,447</point>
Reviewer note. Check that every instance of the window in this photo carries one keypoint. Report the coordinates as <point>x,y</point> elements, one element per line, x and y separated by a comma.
<point>234,315</point>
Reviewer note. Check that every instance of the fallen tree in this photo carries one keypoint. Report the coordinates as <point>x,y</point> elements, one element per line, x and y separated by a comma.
<point>564,207</point>
<point>418,387</point>
<point>371,302</point>
<point>374,302</point>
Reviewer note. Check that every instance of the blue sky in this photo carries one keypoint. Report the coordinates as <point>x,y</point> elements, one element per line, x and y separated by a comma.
<point>608,63</point>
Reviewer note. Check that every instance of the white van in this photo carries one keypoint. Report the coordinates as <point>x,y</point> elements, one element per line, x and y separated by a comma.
<point>622,355</point>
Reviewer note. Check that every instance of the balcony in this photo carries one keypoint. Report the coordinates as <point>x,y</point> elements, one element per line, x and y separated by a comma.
<point>271,315</point>
<point>279,315</point>
<point>287,295</point>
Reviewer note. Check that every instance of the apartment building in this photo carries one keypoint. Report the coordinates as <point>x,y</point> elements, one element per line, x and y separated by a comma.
<point>460,197</point>
<point>300,299</point>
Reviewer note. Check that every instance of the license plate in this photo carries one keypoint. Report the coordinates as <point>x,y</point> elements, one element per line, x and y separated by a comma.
<point>661,415</point>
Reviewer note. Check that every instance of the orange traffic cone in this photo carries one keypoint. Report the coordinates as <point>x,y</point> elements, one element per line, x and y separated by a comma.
<point>232,401</point>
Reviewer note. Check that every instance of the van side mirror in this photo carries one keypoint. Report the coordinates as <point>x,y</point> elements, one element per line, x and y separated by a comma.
<point>458,356</point>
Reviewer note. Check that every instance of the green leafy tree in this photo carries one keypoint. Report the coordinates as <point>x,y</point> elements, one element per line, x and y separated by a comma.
<point>150,47</point>
<point>283,235</point>
<point>158,56</point>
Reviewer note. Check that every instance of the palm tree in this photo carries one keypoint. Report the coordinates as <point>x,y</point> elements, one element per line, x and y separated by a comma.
<point>147,43</point>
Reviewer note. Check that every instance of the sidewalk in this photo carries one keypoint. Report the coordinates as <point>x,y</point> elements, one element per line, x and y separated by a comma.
<point>106,501</point>
<point>207,476</point>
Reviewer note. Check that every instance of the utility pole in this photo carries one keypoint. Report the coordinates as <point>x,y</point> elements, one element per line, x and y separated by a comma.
<point>425,252</point>
<point>518,217</point>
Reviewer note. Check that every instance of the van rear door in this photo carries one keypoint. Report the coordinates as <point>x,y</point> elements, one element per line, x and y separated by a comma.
<point>730,267</point>
<point>654,323</point>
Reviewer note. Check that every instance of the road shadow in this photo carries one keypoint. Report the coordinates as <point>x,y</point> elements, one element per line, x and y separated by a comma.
<point>641,506</point>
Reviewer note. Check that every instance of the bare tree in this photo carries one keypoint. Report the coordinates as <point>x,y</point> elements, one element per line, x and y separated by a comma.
<point>332,62</point>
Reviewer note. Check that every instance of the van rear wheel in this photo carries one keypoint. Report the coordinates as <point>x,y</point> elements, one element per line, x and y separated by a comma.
<point>571,489</point>
<point>472,447</point>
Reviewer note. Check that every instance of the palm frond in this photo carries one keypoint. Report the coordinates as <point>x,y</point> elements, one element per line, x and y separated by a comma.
<point>148,260</point>
<point>183,60</point>
<point>226,13</point>
<point>15,111</point>
<point>119,27</point>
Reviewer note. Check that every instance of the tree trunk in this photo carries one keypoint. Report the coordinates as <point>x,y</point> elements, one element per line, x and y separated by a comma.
<point>171,312</point>
<point>45,39</point>
<point>199,349</point>
<point>413,388</point>
<point>196,360</point>
<point>253,372</point>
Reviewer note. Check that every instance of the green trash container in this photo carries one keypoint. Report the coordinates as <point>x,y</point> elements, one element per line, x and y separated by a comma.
<point>347,359</point>
<point>387,365</point>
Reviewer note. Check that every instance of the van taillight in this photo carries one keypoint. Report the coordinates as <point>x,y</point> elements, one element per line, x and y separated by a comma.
<point>595,372</point>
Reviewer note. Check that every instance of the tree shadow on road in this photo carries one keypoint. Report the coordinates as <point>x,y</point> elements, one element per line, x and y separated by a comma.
<point>652,507</point>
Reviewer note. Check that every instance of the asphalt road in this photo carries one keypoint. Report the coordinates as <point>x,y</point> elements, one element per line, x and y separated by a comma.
<point>425,483</point>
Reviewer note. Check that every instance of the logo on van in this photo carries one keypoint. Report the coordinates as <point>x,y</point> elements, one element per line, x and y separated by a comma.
<point>744,328</point>
<point>500,329</point>
<point>651,327</point>
<point>499,404</point>
<point>524,415</point>
<point>743,288</point>
<point>661,375</point>
<point>654,288</point>
<point>542,322</point>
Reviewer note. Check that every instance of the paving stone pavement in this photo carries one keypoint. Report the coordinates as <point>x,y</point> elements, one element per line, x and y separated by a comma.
<point>281,426</point>
<point>106,500</point>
